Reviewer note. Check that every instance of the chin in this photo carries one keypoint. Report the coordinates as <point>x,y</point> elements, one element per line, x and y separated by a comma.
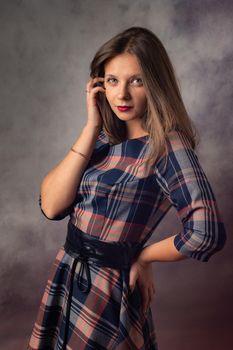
<point>126,117</point>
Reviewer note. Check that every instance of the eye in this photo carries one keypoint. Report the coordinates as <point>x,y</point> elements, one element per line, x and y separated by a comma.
<point>112,80</point>
<point>140,80</point>
<point>109,79</point>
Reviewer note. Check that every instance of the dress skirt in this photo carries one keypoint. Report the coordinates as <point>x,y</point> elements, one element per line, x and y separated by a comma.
<point>108,317</point>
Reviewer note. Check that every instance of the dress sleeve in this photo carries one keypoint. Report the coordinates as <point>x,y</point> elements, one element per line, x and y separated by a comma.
<point>186,186</point>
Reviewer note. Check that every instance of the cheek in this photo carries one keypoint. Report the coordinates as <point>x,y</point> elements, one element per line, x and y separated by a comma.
<point>108,99</point>
<point>108,96</point>
<point>143,102</point>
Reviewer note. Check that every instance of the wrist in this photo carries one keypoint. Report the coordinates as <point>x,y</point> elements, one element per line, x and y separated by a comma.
<point>91,125</point>
<point>142,260</point>
<point>142,263</point>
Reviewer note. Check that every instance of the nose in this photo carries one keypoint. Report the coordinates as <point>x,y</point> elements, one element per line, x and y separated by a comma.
<point>123,91</point>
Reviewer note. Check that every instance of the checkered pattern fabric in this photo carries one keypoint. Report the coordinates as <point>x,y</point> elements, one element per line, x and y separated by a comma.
<point>120,198</point>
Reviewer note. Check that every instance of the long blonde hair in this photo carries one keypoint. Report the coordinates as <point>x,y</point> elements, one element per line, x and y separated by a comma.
<point>165,108</point>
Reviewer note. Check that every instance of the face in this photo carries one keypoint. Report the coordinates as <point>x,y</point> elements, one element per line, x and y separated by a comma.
<point>124,87</point>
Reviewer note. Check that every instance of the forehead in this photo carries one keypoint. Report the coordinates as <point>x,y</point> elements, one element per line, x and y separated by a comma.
<point>124,64</point>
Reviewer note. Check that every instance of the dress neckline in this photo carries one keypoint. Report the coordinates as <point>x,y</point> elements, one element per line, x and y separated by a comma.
<point>133,139</point>
<point>105,139</point>
<point>137,138</point>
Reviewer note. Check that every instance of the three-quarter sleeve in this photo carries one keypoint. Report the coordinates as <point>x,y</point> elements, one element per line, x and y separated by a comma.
<point>60,216</point>
<point>185,184</point>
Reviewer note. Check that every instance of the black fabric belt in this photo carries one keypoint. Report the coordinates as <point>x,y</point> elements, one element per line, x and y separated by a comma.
<point>87,249</point>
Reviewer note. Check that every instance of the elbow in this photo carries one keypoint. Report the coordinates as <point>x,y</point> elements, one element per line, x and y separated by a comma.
<point>47,213</point>
<point>201,245</point>
<point>217,241</point>
<point>50,215</point>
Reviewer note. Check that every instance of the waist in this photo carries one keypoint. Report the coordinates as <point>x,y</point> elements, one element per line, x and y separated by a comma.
<point>86,248</point>
<point>115,254</point>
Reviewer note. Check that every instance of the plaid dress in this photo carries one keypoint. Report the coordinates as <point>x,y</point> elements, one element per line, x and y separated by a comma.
<point>121,199</point>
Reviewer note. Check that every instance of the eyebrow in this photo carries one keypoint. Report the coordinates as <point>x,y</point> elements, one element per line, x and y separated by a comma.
<point>133,76</point>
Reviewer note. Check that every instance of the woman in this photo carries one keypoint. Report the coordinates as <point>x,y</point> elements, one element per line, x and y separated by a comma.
<point>134,159</point>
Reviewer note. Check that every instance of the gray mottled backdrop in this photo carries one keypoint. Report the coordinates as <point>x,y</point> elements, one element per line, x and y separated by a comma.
<point>45,51</point>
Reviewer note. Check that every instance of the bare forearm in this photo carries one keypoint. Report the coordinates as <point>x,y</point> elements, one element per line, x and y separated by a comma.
<point>59,186</point>
<point>161,251</point>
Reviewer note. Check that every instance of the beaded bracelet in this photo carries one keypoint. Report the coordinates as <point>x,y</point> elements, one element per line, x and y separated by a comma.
<point>80,153</point>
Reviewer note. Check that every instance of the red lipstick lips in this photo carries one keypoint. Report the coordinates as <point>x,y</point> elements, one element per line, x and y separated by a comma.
<point>123,108</point>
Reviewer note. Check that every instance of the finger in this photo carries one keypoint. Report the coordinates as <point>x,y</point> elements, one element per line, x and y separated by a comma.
<point>92,91</point>
<point>132,283</point>
<point>96,89</point>
<point>150,296</point>
<point>149,299</point>
<point>95,84</point>
<point>133,276</point>
<point>131,289</point>
<point>93,81</point>
<point>145,296</point>
<point>89,83</point>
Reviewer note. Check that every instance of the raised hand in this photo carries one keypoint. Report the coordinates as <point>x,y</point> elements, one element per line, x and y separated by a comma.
<point>93,114</point>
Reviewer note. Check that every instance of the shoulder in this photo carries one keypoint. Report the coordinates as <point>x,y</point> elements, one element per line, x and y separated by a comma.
<point>176,140</point>
<point>180,156</point>
<point>179,149</point>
